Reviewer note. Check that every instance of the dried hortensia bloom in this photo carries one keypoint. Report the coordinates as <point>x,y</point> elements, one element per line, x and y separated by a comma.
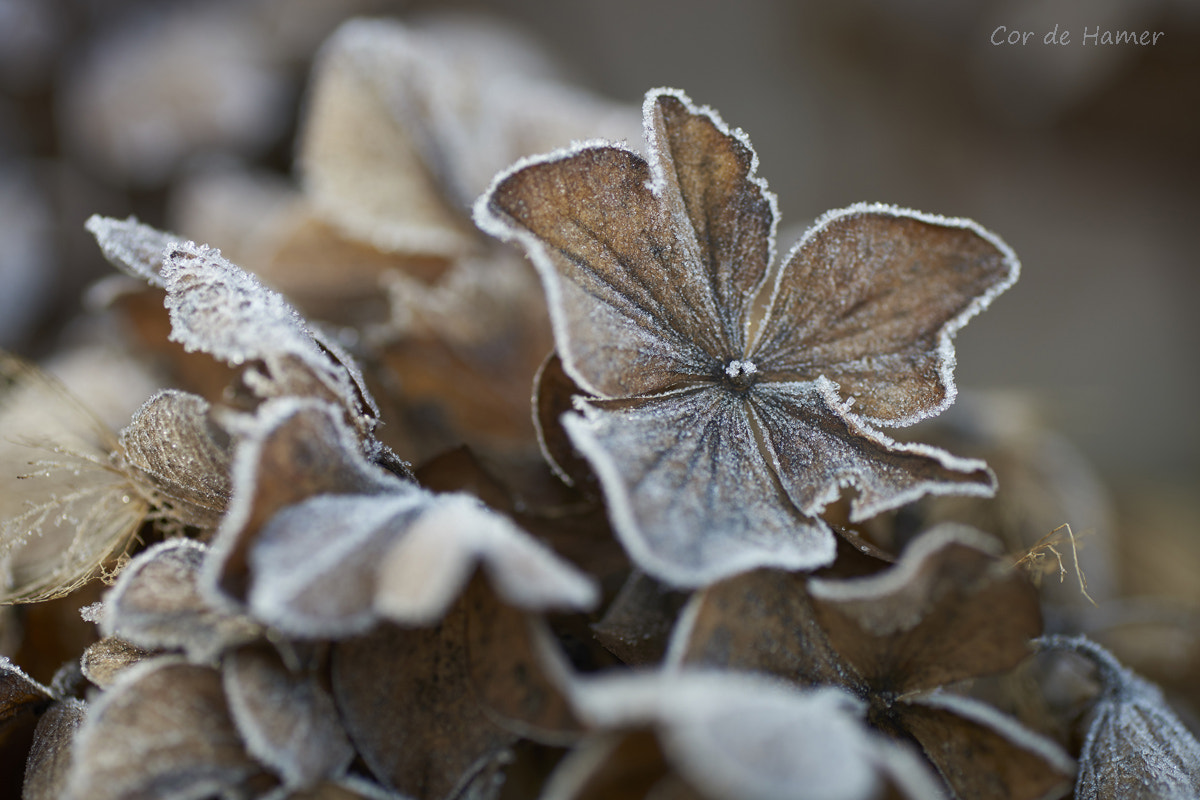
<point>719,433</point>
<point>87,490</point>
<point>1135,748</point>
<point>948,611</point>
<point>728,736</point>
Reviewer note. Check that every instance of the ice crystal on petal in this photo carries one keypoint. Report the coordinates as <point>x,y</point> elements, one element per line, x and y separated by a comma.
<point>719,434</point>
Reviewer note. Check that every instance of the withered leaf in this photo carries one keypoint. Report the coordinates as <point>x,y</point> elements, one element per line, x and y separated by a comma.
<point>718,436</point>
<point>74,510</point>
<point>49,760</point>
<point>950,609</point>
<point>157,603</point>
<point>1135,748</point>
<point>287,719</point>
<point>162,731</point>
<point>172,442</point>
<point>738,736</point>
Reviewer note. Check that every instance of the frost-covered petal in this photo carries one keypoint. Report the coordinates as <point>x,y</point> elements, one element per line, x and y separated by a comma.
<point>162,731</point>
<point>287,718</point>
<point>950,609</point>
<point>1135,747</point>
<point>157,604</point>
<point>131,246</point>
<point>49,762</point>
<point>173,443</point>
<point>983,754</point>
<point>817,450</point>
<point>688,490</point>
<point>290,450</point>
<point>107,658</point>
<point>738,736</point>
<point>871,298</point>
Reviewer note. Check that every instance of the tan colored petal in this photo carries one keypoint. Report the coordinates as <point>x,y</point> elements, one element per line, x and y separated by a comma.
<point>49,762</point>
<point>818,451</point>
<point>983,754</point>
<point>949,610</point>
<point>174,444</point>
<point>289,451</point>
<point>162,731</point>
<point>103,661</point>
<point>689,491</point>
<point>287,719</point>
<point>871,299</point>
<point>158,604</point>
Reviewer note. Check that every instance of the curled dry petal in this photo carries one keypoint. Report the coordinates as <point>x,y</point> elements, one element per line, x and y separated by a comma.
<point>719,435</point>
<point>742,736</point>
<point>950,609</point>
<point>49,762</point>
<point>287,719</point>
<point>172,442</point>
<point>162,731</point>
<point>1135,748</point>
<point>157,604</point>
<point>107,658</point>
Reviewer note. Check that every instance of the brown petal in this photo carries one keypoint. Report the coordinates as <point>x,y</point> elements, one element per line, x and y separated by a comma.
<point>628,765</point>
<point>636,627</point>
<point>162,731</point>
<point>553,396</point>
<point>20,696</point>
<point>983,754</point>
<point>689,491</point>
<point>157,604</point>
<point>818,450</point>
<point>949,610</point>
<point>708,175</point>
<point>173,444</point>
<point>871,299</point>
<point>761,621</point>
<point>290,450</point>
<point>49,762</point>
<point>631,316</point>
<point>351,787</point>
<point>103,661</point>
<point>419,729</point>
<point>287,719</point>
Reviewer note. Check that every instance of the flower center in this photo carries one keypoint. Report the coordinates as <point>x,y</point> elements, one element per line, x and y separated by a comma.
<point>741,374</point>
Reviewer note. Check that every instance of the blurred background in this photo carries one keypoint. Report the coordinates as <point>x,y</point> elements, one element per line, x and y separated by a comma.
<point>1083,157</point>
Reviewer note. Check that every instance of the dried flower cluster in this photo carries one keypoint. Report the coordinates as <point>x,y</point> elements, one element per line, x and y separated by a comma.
<point>700,585</point>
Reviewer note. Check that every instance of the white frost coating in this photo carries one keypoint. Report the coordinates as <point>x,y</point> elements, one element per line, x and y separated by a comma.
<point>745,737</point>
<point>945,348</point>
<point>431,562</point>
<point>1006,727</point>
<point>912,561</point>
<point>801,553</point>
<point>132,246</point>
<point>252,432</point>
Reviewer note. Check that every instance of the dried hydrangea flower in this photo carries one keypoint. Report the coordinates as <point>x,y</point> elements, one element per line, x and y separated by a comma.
<point>720,433</point>
<point>1135,748</point>
<point>87,490</point>
<point>949,610</point>
<point>49,761</point>
<point>727,736</point>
